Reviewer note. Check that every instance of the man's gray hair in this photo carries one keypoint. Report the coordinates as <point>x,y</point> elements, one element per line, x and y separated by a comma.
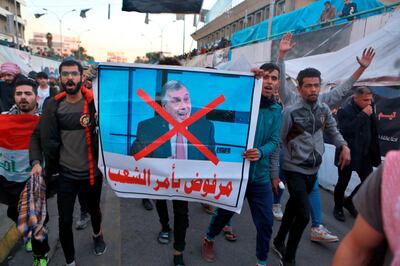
<point>170,85</point>
<point>362,90</point>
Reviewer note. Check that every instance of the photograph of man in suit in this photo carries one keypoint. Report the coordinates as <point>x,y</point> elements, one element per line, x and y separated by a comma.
<point>175,99</point>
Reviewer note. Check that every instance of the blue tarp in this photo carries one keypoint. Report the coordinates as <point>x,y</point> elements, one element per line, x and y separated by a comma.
<point>297,20</point>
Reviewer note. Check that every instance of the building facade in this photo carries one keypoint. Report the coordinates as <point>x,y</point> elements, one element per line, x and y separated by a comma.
<point>245,14</point>
<point>11,22</point>
<point>39,44</point>
<point>116,57</point>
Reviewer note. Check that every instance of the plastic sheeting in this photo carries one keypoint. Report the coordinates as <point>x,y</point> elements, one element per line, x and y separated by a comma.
<point>28,62</point>
<point>385,66</point>
<point>296,20</point>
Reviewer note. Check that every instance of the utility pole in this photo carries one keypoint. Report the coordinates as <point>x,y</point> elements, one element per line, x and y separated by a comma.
<point>271,17</point>
<point>16,24</point>
<point>184,33</point>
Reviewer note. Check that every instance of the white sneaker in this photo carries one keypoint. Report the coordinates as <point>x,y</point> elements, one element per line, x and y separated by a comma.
<point>321,234</point>
<point>277,211</point>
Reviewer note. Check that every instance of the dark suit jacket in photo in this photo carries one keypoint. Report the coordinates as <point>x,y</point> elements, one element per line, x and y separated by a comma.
<point>151,129</point>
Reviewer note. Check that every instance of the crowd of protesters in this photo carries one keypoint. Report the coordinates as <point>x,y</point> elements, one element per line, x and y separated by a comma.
<point>288,148</point>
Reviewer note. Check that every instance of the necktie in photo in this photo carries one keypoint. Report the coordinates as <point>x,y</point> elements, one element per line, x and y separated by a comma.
<point>180,147</point>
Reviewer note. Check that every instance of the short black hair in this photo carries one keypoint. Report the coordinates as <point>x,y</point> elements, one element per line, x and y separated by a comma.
<point>270,67</point>
<point>171,61</point>
<point>71,62</point>
<point>27,81</point>
<point>42,75</point>
<point>308,73</point>
<point>32,74</point>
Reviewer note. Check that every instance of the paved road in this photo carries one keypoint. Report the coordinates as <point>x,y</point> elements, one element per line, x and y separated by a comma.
<point>131,232</point>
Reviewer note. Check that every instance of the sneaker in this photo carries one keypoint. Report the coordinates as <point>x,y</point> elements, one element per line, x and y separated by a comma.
<point>277,211</point>
<point>279,248</point>
<point>348,204</point>
<point>83,222</point>
<point>339,214</point>
<point>28,245</point>
<point>99,245</point>
<point>164,237</point>
<point>207,250</point>
<point>147,204</point>
<point>40,260</point>
<point>321,234</point>
<point>178,260</point>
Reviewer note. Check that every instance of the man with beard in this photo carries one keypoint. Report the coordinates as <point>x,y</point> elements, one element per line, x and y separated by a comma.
<point>68,137</point>
<point>26,98</point>
<point>259,191</point>
<point>9,72</point>
<point>302,139</point>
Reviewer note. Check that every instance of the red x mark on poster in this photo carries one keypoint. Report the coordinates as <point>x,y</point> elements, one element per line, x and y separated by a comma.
<point>178,127</point>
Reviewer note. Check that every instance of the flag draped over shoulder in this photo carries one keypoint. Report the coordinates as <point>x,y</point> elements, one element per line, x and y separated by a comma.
<point>163,6</point>
<point>15,134</point>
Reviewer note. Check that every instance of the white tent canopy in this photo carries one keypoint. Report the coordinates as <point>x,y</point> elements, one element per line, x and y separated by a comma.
<point>337,66</point>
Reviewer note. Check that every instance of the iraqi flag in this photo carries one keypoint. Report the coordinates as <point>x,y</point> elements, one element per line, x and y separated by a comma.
<point>15,135</point>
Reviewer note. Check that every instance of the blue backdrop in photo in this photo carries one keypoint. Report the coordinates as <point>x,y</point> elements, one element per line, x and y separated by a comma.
<point>118,84</point>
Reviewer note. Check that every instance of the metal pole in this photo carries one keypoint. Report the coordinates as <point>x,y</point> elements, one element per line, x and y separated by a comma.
<point>16,24</point>
<point>61,37</point>
<point>270,18</point>
<point>162,29</point>
<point>184,32</point>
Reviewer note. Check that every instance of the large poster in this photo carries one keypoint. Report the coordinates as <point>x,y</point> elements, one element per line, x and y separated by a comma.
<point>177,133</point>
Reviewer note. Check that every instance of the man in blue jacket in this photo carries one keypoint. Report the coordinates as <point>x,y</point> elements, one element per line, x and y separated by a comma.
<point>259,191</point>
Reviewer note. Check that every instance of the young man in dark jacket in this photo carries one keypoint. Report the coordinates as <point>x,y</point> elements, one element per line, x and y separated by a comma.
<point>358,125</point>
<point>259,186</point>
<point>68,137</point>
<point>303,124</point>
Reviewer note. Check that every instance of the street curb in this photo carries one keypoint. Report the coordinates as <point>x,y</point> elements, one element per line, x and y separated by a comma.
<point>8,242</point>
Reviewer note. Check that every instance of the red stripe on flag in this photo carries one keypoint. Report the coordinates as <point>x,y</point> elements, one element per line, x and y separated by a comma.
<point>16,131</point>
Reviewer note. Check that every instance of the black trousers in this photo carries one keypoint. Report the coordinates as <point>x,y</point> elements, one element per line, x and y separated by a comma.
<point>297,211</point>
<point>68,189</point>
<point>181,220</point>
<point>343,181</point>
<point>10,193</point>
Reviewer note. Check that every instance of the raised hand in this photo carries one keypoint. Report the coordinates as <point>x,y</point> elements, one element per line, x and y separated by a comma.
<point>367,57</point>
<point>286,44</point>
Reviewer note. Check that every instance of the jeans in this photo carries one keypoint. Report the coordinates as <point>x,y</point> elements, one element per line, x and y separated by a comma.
<point>343,181</point>
<point>181,220</point>
<point>297,211</point>
<point>68,189</point>
<point>314,198</point>
<point>259,197</point>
